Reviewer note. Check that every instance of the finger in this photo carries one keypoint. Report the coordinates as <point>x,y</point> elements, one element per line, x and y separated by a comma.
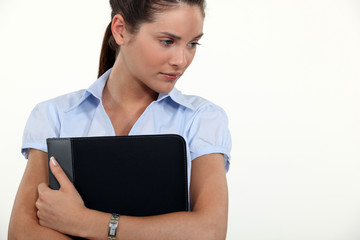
<point>42,187</point>
<point>37,205</point>
<point>60,175</point>
<point>42,190</point>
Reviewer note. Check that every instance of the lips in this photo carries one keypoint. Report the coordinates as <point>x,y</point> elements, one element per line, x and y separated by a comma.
<point>171,76</point>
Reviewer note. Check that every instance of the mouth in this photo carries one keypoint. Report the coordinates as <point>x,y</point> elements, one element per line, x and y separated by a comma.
<point>171,76</point>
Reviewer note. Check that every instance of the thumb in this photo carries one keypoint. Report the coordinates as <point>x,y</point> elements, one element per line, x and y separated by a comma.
<point>64,181</point>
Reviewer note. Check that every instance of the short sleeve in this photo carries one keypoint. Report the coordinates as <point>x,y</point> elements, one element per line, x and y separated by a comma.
<point>42,123</point>
<point>209,133</point>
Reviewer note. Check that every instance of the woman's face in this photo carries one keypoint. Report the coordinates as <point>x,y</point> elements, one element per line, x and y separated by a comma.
<point>160,52</point>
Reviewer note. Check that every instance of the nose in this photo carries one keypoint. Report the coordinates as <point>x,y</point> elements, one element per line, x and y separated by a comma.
<point>179,58</point>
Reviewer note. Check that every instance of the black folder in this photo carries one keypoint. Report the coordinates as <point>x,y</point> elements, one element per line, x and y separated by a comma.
<point>141,175</point>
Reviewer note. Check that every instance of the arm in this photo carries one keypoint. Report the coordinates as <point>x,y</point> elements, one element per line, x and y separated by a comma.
<point>24,224</point>
<point>209,203</point>
<point>207,220</point>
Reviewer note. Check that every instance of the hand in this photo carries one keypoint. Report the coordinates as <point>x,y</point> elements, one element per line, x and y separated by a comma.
<point>63,209</point>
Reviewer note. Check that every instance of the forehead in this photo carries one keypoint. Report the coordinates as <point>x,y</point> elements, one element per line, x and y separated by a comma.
<point>181,20</point>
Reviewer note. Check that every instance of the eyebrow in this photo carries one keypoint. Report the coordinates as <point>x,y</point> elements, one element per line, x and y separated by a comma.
<point>179,38</point>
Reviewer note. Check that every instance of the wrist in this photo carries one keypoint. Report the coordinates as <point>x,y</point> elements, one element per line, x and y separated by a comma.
<point>94,225</point>
<point>113,225</point>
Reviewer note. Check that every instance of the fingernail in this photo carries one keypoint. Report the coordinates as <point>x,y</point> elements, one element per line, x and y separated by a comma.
<point>53,161</point>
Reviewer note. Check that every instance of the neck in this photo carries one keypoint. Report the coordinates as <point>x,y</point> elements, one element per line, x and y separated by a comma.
<point>124,91</point>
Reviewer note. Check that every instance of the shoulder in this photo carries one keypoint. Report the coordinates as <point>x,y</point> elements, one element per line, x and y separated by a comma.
<point>51,111</point>
<point>194,103</point>
<point>207,129</point>
<point>45,121</point>
<point>203,115</point>
<point>61,103</point>
<point>203,106</point>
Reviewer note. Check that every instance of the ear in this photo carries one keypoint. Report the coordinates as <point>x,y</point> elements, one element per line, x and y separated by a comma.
<point>118,29</point>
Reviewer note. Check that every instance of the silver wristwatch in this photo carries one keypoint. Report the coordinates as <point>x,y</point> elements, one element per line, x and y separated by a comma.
<point>113,226</point>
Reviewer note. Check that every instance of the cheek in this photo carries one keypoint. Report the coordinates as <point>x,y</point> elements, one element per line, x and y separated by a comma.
<point>152,57</point>
<point>190,57</point>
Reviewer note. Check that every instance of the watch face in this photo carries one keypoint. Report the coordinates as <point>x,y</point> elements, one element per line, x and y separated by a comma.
<point>113,225</point>
<point>112,229</point>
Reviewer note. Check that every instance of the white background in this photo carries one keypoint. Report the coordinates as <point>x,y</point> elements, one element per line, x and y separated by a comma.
<point>286,71</point>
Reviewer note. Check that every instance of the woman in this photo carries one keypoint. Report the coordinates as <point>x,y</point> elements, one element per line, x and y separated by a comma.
<point>147,47</point>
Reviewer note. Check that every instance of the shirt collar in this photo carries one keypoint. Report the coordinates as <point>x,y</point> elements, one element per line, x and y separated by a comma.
<point>177,97</point>
<point>96,90</point>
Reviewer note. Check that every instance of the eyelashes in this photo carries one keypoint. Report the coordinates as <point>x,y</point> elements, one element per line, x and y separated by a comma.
<point>169,42</point>
<point>194,44</point>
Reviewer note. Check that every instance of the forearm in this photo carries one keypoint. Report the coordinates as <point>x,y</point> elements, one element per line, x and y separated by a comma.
<point>30,230</point>
<point>24,224</point>
<point>64,210</point>
<point>179,225</point>
<point>208,219</point>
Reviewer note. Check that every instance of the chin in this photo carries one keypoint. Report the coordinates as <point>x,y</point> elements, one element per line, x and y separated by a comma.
<point>165,92</point>
<point>165,89</point>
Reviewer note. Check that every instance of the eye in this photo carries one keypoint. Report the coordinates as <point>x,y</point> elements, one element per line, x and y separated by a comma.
<point>166,42</point>
<point>193,44</point>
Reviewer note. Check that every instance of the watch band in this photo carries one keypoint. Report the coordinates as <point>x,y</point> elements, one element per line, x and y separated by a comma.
<point>113,226</point>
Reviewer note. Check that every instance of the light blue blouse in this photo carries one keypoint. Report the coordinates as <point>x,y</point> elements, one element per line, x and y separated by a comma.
<point>202,124</point>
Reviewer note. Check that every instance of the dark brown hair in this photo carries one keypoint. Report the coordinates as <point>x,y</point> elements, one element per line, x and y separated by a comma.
<point>134,12</point>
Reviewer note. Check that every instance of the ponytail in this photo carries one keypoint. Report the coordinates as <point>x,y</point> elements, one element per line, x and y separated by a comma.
<point>108,52</point>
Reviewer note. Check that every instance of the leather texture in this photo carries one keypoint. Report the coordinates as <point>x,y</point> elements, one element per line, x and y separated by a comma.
<point>140,175</point>
<point>62,151</point>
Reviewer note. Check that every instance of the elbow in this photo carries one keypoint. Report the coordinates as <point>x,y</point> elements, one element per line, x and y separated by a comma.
<point>213,229</point>
<point>216,233</point>
<point>16,235</point>
<point>12,231</point>
<point>19,229</point>
<point>212,234</point>
<point>13,234</point>
<point>20,233</point>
